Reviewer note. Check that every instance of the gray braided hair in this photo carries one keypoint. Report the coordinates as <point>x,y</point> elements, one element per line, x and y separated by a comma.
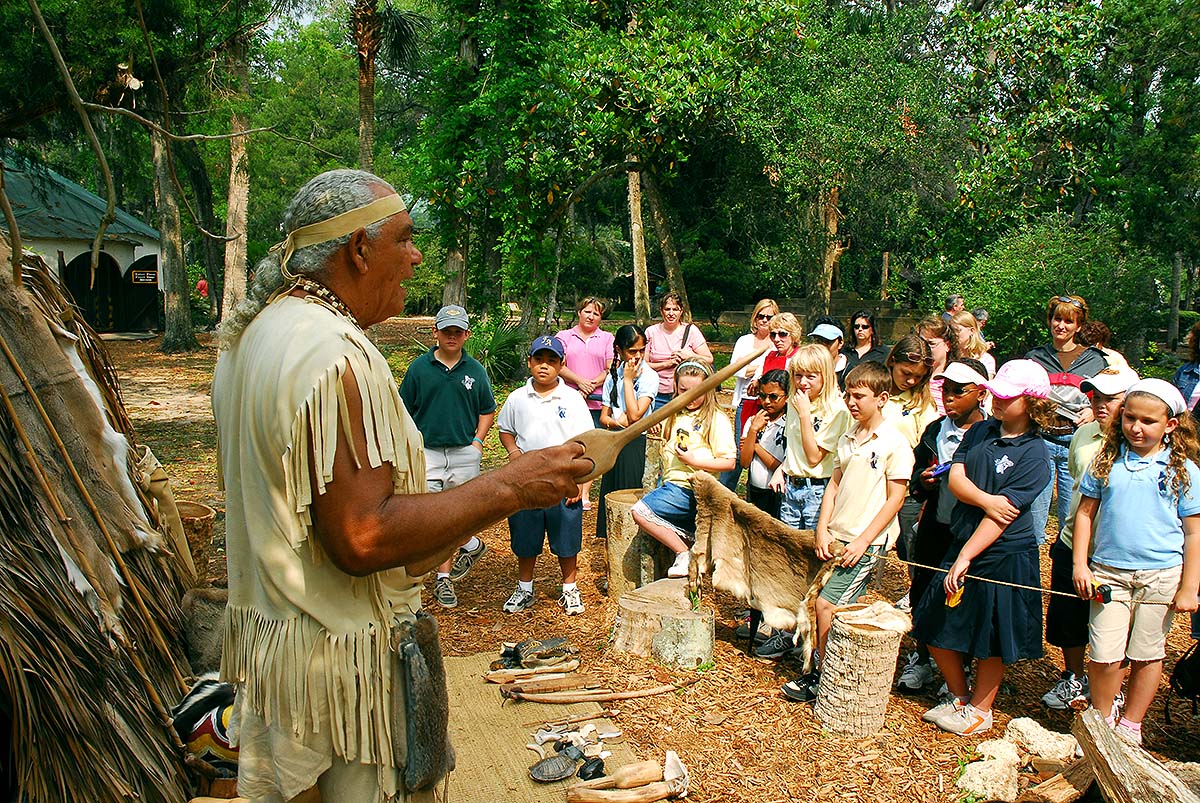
<point>323,197</point>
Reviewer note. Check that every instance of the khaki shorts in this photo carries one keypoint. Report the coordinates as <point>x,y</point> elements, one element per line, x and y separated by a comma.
<point>847,584</point>
<point>1123,629</point>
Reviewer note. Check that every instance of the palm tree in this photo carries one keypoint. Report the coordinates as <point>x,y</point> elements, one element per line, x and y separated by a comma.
<point>379,29</point>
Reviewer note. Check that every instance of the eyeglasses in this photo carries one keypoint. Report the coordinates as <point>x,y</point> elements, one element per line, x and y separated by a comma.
<point>1074,302</point>
<point>762,316</point>
<point>775,335</point>
<point>914,357</point>
<point>862,326</point>
<point>770,397</point>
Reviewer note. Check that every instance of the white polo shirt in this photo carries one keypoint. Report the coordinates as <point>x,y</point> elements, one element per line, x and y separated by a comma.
<point>867,468</point>
<point>538,421</point>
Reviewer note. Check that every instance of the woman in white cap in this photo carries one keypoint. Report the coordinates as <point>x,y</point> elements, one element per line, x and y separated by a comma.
<point>1140,507</point>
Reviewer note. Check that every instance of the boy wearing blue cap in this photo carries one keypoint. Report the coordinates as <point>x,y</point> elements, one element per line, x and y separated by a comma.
<point>543,413</point>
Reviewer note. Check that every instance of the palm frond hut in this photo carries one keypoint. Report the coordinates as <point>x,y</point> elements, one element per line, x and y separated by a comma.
<point>92,569</point>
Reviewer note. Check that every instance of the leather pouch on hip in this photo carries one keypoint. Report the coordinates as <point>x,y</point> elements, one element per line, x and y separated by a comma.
<point>427,756</point>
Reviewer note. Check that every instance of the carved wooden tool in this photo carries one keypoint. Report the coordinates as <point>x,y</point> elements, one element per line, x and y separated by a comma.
<point>602,446</point>
<point>627,777</point>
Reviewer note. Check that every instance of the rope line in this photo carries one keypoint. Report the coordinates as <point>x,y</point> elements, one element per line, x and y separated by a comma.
<point>1048,591</point>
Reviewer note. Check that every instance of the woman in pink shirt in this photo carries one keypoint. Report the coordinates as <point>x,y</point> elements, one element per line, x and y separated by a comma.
<point>671,342</point>
<point>589,355</point>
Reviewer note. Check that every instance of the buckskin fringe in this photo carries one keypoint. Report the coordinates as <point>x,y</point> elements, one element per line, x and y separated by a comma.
<point>391,435</point>
<point>271,660</point>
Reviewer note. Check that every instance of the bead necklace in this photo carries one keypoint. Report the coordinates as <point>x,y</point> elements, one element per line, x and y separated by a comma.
<point>327,297</point>
<point>1142,463</point>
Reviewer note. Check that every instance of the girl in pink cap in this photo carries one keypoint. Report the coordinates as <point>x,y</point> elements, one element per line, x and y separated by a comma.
<point>997,472</point>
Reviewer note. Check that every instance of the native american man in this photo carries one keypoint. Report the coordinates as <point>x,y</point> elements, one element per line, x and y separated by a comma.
<point>329,528</point>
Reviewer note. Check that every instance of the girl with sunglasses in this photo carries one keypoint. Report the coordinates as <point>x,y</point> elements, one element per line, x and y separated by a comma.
<point>862,342</point>
<point>759,338</point>
<point>939,334</point>
<point>1068,361</point>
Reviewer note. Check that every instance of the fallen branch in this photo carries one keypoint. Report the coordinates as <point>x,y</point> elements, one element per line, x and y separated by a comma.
<point>602,698</point>
<point>607,713</point>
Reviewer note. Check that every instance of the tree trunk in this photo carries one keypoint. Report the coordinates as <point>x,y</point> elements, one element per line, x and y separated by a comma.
<point>188,155</point>
<point>236,269</point>
<point>367,28</point>
<point>666,240</point>
<point>1173,318</point>
<point>637,238</point>
<point>830,217</point>
<point>455,289</point>
<point>178,334</point>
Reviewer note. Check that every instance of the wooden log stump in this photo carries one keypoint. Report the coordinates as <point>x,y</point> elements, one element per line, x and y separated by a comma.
<point>657,621</point>
<point>1125,772</point>
<point>634,558</point>
<point>856,675</point>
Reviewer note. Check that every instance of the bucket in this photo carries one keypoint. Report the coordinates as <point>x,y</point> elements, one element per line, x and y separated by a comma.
<point>198,527</point>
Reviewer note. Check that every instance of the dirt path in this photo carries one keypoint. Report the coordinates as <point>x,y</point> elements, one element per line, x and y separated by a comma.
<point>742,741</point>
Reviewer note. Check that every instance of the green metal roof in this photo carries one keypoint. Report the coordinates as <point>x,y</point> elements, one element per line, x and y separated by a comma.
<point>49,206</point>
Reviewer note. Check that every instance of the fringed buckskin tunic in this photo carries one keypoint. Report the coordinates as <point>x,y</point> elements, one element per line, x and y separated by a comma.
<point>306,643</point>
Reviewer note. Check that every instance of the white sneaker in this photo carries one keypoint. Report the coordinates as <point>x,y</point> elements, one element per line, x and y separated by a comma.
<point>946,706</point>
<point>966,720</point>
<point>1069,692</point>
<point>520,600</point>
<point>680,567</point>
<point>916,675</point>
<point>571,601</point>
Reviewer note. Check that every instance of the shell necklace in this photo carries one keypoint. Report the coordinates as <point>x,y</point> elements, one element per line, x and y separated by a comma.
<point>327,297</point>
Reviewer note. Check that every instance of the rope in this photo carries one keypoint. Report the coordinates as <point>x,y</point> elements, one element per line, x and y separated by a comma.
<point>1039,589</point>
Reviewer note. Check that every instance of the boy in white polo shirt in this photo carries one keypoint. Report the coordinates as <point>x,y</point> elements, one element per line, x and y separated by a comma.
<point>870,478</point>
<point>543,413</point>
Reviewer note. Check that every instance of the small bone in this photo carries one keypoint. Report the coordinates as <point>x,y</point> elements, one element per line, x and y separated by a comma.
<point>543,736</point>
<point>537,748</point>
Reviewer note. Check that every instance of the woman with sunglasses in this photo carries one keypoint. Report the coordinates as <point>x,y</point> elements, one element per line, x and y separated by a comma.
<point>863,343</point>
<point>1069,361</point>
<point>759,338</point>
<point>786,336</point>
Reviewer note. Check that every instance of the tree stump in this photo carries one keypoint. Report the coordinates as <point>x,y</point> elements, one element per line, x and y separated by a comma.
<point>634,558</point>
<point>856,676</point>
<point>657,621</point>
<point>1125,772</point>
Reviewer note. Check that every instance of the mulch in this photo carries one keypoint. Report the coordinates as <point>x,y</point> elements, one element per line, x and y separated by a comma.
<point>739,737</point>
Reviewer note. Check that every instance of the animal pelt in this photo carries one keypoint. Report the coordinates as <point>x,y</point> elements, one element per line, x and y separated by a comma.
<point>758,559</point>
<point>422,703</point>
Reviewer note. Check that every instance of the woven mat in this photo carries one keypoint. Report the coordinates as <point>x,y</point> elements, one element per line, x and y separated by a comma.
<point>489,739</point>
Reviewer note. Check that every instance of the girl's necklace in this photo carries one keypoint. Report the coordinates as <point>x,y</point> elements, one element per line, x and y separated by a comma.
<point>1143,463</point>
<point>327,297</point>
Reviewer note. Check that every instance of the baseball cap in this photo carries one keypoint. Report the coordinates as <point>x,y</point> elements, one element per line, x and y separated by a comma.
<point>451,315</point>
<point>962,374</point>
<point>1110,381</point>
<point>548,343</point>
<point>1020,378</point>
<point>826,331</point>
<point>1163,390</point>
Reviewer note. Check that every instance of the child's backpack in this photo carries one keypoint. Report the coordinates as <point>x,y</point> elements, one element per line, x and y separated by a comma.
<point>1185,679</point>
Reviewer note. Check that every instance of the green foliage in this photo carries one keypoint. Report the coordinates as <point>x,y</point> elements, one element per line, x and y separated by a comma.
<point>716,283</point>
<point>1015,278</point>
<point>499,345</point>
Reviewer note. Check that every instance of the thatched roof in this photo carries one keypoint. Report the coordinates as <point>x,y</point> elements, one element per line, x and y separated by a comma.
<point>89,595</point>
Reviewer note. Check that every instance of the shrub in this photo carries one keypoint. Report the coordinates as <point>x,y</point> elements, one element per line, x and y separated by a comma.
<point>1018,274</point>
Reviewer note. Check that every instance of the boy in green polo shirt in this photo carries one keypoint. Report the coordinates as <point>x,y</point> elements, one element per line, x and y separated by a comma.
<point>448,394</point>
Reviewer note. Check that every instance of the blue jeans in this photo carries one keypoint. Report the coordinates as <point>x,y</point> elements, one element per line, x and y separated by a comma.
<point>1060,483</point>
<point>660,400</point>
<point>801,505</point>
<point>733,476</point>
<point>1196,625</point>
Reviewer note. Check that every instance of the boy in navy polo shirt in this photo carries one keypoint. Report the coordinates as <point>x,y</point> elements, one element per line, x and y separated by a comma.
<point>448,394</point>
<point>544,413</point>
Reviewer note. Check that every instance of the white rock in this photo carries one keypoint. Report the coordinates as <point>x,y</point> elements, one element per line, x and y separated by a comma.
<point>994,778</point>
<point>1031,737</point>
